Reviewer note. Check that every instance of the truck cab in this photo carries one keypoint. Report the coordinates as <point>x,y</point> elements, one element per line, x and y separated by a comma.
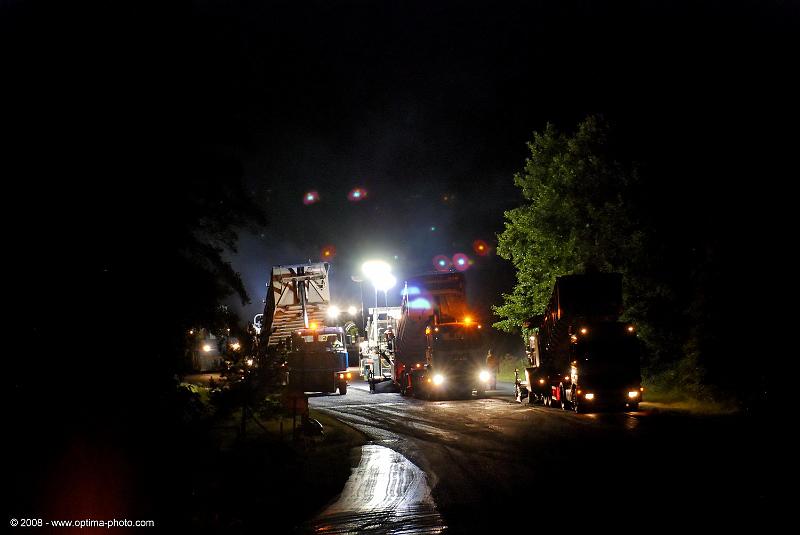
<point>455,361</point>
<point>317,360</point>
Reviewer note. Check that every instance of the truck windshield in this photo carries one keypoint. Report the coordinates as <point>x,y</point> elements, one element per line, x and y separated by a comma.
<point>332,341</point>
<point>452,338</point>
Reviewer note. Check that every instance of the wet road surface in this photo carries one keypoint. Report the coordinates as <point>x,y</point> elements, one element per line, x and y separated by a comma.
<point>386,493</point>
<point>491,463</point>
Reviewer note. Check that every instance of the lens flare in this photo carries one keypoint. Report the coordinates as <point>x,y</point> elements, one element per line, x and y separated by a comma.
<point>411,290</point>
<point>461,261</point>
<point>420,303</point>
<point>310,197</point>
<point>357,194</point>
<point>441,263</point>
<point>480,247</point>
<point>328,252</point>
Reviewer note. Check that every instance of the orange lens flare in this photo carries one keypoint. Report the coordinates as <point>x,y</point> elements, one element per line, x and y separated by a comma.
<point>480,247</point>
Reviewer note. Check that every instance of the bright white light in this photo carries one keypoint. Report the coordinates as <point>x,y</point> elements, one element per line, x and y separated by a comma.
<point>589,396</point>
<point>384,282</point>
<point>333,312</point>
<point>633,394</point>
<point>249,362</point>
<point>352,310</point>
<point>206,348</point>
<point>373,269</point>
<point>484,376</point>
<point>438,379</point>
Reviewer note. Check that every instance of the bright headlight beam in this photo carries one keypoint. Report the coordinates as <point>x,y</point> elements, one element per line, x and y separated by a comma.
<point>438,379</point>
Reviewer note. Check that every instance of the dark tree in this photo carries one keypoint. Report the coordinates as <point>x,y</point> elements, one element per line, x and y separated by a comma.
<point>590,205</point>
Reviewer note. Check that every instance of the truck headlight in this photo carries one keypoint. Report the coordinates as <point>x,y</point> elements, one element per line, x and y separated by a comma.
<point>589,396</point>
<point>484,376</point>
<point>633,394</point>
<point>438,379</point>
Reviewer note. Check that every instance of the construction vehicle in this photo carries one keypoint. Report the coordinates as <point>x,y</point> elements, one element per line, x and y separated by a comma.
<point>582,357</point>
<point>293,331</point>
<point>376,351</point>
<point>438,348</point>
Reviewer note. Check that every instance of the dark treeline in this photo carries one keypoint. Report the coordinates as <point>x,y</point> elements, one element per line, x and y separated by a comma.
<point>131,184</point>
<point>118,154</point>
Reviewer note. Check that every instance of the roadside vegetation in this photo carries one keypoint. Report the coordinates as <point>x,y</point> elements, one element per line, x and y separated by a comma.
<point>260,474</point>
<point>508,363</point>
<point>603,199</point>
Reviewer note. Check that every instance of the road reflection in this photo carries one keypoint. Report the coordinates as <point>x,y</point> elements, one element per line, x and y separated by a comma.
<point>386,493</point>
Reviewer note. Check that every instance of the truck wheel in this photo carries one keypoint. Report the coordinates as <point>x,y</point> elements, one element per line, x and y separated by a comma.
<point>343,389</point>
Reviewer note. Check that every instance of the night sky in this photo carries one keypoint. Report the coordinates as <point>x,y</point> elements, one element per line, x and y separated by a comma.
<point>427,106</point>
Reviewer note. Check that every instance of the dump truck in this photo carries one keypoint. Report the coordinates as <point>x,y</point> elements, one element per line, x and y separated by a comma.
<point>293,329</point>
<point>582,357</point>
<point>438,348</point>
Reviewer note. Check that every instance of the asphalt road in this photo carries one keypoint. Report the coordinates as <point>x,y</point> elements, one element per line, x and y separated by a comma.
<point>493,464</point>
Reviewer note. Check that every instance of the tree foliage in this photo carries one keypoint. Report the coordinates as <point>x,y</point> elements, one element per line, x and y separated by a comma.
<point>590,206</point>
<point>578,216</point>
